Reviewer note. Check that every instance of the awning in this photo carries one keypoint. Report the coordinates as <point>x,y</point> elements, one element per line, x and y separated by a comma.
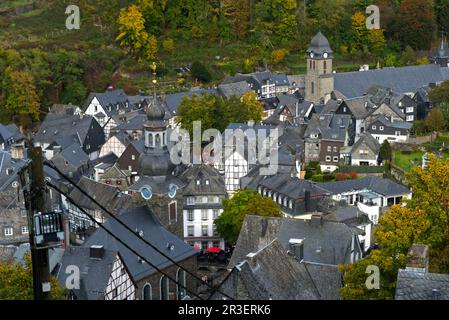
<point>213,249</point>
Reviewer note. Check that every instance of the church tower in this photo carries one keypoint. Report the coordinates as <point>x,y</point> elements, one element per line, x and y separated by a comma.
<point>319,77</point>
<point>157,185</point>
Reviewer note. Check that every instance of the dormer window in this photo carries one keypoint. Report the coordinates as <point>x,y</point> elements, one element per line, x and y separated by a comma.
<point>198,182</point>
<point>207,182</point>
<point>374,127</point>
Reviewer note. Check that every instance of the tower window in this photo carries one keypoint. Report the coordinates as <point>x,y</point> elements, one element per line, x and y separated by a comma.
<point>158,140</point>
<point>150,139</point>
<point>313,65</point>
<point>325,66</point>
<point>310,64</point>
<point>313,87</point>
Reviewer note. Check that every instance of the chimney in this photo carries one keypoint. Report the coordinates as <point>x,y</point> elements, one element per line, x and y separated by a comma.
<point>296,248</point>
<point>96,252</point>
<point>56,150</point>
<point>252,260</point>
<point>316,219</point>
<point>418,258</point>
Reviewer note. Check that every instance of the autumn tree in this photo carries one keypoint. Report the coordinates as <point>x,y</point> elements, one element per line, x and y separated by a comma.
<point>435,121</point>
<point>376,41</point>
<point>424,220</point>
<point>133,35</point>
<point>416,24</point>
<point>16,282</point>
<point>235,209</point>
<point>278,55</point>
<point>359,30</point>
<point>440,94</point>
<point>238,15</point>
<point>21,98</point>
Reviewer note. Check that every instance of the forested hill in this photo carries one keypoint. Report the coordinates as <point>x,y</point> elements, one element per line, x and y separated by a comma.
<point>41,62</point>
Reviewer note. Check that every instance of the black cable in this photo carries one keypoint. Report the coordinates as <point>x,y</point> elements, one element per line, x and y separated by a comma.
<point>52,166</point>
<point>119,240</point>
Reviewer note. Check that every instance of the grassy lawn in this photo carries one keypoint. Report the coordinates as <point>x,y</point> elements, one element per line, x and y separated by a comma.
<point>407,161</point>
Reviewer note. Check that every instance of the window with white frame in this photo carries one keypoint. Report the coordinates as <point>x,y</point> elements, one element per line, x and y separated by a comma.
<point>8,231</point>
<point>133,157</point>
<point>335,159</point>
<point>374,127</point>
<point>328,158</point>
<point>190,231</point>
<point>398,133</point>
<point>381,128</point>
<point>190,200</point>
<point>204,215</point>
<point>409,110</point>
<point>205,230</point>
<point>190,215</point>
<point>216,213</point>
<point>329,148</point>
<point>24,229</point>
<point>410,118</point>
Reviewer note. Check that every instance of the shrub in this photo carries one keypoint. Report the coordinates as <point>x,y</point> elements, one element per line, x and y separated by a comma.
<point>354,175</point>
<point>200,72</point>
<point>318,178</point>
<point>340,176</point>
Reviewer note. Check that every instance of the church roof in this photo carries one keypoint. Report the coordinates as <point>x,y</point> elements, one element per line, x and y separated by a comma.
<point>319,45</point>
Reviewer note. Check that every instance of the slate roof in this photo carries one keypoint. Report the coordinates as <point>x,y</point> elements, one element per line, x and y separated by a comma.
<point>108,99</point>
<point>203,172</point>
<point>368,140</point>
<point>261,279</point>
<point>319,44</point>
<point>158,184</point>
<point>236,89</point>
<point>325,242</point>
<point>94,273</point>
<point>382,186</point>
<point>360,107</point>
<point>109,196</point>
<point>75,155</point>
<point>395,124</point>
<point>412,285</point>
<point>65,129</point>
<point>404,79</point>
<point>11,166</point>
<point>142,219</point>
<point>292,187</point>
<point>172,101</point>
<point>5,134</point>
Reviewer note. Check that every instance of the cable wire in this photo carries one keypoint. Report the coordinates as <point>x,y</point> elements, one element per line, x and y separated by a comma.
<point>120,240</point>
<point>52,166</point>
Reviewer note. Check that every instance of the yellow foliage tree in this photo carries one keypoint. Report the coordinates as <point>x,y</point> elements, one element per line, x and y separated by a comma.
<point>278,56</point>
<point>133,34</point>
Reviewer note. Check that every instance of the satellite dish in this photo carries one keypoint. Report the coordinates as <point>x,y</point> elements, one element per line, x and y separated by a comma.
<point>146,192</point>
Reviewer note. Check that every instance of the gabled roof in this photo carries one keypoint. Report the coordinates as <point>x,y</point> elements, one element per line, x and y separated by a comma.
<point>324,241</point>
<point>404,79</point>
<point>108,196</point>
<point>110,98</point>
<point>94,273</point>
<point>236,89</point>
<point>360,107</point>
<point>172,101</point>
<point>368,140</point>
<point>203,172</point>
<point>258,278</point>
<point>9,169</point>
<point>75,155</point>
<point>142,219</point>
<point>385,187</point>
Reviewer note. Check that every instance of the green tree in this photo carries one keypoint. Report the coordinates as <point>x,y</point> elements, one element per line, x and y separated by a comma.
<point>386,151</point>
<point>276,18</point>
<point>376,41</point>
<point>408,57</point>
<point>16,282</point>
<point>416,24</point>
<point>235,209</point>
<point>200,72</point>
<point>442,13</point>
<point>435,121</point>
<point>360,33</point>
<point>238,15</point>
